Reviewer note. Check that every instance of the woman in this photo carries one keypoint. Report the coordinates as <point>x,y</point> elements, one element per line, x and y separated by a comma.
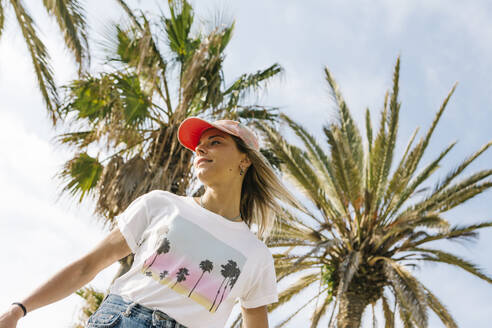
<point>194,256</point>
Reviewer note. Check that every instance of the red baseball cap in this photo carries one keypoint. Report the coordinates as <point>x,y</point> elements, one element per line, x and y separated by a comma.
<point>191,129</point>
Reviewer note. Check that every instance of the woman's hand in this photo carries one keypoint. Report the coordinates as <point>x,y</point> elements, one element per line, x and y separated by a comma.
<point>9,319</point>
<point>71,278</point>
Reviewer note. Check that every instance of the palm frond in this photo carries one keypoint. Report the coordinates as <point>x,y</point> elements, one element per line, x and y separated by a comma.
<point>320,311</point>
<point>387,143</point>
<point>433,255</point>
<point>456,195</point>
<point>290,317</point>
<point>130,13</point>
<point>2,16</point>
<point>298,168</point>
<point>439,309</point>
<point>201,79</point>
<point>79,139</point>
<point>288,227</point>
<point>405,316</point>
<point>405,228</point>
<point>408,291</point>
<point>178,28</point>
<point>348,127</point>
<point>246,83</point>
<point>322,165</point>
<point>369,130</point>
<point>82,173</point>
<point>326,244</point>
<point>345,169</point>
<point>400,177</point>
<point>423,176</point>
<point>301,284</point>
<point>455,232</point>
<point>455,172</point>
<point>40,59</point>
<point>389,316</point>
<point>70,16</point>
<point>285,269</point>
<point>418,151</point>
<point>252,112</point>
<point>93,299</point>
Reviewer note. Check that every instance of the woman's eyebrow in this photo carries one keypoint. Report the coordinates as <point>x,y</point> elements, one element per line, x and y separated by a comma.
<point>217,135</point>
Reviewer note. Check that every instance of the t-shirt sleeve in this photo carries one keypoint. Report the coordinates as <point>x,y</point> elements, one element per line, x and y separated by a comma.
<point>133,221</point>
<point>264,289</point>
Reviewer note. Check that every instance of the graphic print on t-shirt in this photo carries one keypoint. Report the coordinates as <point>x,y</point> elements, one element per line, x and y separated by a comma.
<point>194,263</point>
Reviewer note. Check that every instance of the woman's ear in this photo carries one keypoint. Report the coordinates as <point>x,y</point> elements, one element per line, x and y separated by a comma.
<point>246,161</point>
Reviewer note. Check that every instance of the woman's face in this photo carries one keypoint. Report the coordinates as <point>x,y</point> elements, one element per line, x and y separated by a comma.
<point>217,159</point>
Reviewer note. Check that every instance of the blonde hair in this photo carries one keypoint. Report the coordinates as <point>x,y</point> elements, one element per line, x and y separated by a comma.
<point>260,191</point>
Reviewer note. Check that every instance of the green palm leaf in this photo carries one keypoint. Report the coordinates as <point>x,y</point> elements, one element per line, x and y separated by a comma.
<point>2,17</point>
<point>70,16</point>
<point>39,56</point>
<point>408,292</point>
<point>439,309</point>
<point>301,284</point>
<point>82,173</point>
<point>433,255</point>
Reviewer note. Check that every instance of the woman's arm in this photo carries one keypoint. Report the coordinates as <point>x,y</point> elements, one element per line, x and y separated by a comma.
<point>255,317</point>
<point>72,277</point>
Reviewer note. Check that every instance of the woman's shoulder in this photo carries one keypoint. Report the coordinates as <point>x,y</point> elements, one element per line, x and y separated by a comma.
<point>160,194</point>
<point>257,247</point>
<point>159,198</point>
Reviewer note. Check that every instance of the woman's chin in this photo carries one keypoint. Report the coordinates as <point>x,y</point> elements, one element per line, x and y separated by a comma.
<point>203,174</point>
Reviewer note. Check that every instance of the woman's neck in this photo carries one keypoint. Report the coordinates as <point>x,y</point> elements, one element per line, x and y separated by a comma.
<point>224,202</point>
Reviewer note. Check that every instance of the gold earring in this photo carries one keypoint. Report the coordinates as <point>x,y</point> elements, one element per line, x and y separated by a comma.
<point>241,172</point>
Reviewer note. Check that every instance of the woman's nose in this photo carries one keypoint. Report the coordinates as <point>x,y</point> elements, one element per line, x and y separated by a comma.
<point>200,149</point>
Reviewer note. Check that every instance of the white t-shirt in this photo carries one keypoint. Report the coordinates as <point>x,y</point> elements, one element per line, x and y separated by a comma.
<point>192,263</point>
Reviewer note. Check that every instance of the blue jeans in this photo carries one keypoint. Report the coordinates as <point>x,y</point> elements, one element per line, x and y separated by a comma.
<point>116,312</point>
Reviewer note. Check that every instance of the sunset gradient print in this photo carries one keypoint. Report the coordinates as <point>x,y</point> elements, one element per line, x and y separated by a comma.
<point>192,262</point>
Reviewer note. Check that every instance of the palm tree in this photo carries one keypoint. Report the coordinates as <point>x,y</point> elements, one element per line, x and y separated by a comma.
<point>233,278</point>
<point>131,113</point>
<point>93,300</point>
<point>130,110</point>
<point>206,266</point>
<point>371,225</point>
<point>70,17</point>
<point>163,274</point>
<point>181,275</point>
<point>228,270</point>
<point>163,248</point>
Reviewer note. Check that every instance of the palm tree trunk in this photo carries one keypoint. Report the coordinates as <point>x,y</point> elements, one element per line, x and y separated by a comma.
<point>223,292</point>
<point>196,284</point>
<point>218,291</point>
<point>152,261</point>
<point>352,306</point>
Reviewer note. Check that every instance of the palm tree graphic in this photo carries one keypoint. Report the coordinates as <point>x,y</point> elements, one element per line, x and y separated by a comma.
<point>162,249</point>
<point>181,275</point>
<point>206,266</point>
<point>163,274</point>
<point>232,281</point>
<point>227,272</point>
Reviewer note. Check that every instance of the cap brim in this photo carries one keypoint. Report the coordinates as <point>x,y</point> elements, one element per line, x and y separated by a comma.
<point>190,131</point>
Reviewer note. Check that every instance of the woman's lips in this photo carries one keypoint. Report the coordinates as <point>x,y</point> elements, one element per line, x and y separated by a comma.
<point>202,160</point>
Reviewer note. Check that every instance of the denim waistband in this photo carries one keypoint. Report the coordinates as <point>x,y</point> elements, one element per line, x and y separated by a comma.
<point>134,308</point>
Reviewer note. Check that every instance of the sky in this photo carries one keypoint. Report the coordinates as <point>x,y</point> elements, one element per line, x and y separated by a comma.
<point>439,42</point>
